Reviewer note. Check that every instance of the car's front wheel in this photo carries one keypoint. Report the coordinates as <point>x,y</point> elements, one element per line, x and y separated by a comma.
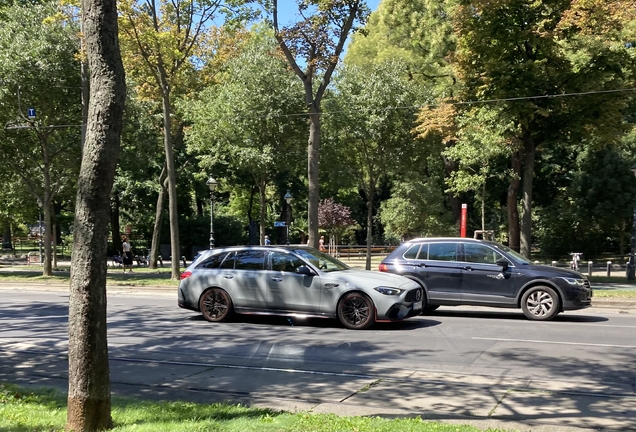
<point>356,311</point>
<point>216,305</point>
<point>540,303</point>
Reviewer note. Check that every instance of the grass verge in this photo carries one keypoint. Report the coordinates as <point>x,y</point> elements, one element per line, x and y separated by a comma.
<point>31,410</point>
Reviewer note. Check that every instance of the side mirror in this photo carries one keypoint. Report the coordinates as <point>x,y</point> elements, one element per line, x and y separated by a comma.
<point>304,270</point>
<point>503,263</point>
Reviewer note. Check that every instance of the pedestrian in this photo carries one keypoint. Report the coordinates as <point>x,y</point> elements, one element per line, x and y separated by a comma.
<point>321,244</point>
<point>127,254</point>
<point>267,242</point>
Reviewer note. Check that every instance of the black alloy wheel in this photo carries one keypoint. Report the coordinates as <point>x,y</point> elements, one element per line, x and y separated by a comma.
<point>540,303</point>
<point>356,311</point>
<point>216,305</point>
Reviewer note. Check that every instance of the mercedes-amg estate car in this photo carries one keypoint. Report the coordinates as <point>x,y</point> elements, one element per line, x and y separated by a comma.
<point>463,271</point>
<point>294,281</point>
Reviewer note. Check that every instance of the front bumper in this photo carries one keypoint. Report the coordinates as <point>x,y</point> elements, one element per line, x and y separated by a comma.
<point>410,305</point>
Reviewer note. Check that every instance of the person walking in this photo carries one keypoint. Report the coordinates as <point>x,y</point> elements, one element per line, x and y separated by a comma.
<point>267,242</point>
<point>321,244</point>
<point>127,254</point>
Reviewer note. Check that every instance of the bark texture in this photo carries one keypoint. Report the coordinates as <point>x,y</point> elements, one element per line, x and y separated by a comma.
<point>89,385</point>
<point>511,202</point>
<point>528,177</point>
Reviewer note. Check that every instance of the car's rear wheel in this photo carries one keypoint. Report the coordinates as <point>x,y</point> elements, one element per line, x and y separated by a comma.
<point>216,305</point>
<point>540,303</point>
<point>356,311</point>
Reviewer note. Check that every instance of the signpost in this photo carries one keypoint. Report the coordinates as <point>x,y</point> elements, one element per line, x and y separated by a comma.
<point>279,224</point>
<point>31,113</point>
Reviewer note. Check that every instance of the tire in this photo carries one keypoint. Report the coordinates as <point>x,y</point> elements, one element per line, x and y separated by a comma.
<point>216,305</point>
<point>356,311</point>
<point>540,303</point>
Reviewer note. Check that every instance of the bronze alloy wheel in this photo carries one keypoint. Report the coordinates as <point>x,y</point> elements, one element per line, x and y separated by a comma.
<point>540,303</point>
<point>216,305</point>
<point>356,311</point>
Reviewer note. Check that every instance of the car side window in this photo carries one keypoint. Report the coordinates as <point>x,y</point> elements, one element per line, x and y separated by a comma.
<point>250,260</point>
<point>285,262</point>
<point>442,252</point>
<point>412,252</point>
<point>476,253</point>
<point>212,262</point>
<point>423,255</point>
<point>229,261</point>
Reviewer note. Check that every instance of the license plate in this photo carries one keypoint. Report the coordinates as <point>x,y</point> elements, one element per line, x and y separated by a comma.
<point>417,305</point>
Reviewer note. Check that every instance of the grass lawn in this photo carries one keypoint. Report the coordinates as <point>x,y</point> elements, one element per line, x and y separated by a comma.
<point>30,410</point>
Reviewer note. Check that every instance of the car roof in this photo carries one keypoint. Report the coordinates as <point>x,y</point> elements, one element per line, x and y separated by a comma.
<point>257,247</point>
<point>454,239</point>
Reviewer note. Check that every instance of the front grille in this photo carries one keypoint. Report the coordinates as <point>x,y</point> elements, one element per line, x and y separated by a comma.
<point>414,295</point>
<point>586,283</point>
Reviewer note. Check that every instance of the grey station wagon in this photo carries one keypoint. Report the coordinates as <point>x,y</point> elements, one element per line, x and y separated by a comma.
<point>294,281</point>
<point>462,271</point>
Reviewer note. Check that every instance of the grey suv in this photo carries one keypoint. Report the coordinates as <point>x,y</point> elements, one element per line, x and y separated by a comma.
<point>462,271</point>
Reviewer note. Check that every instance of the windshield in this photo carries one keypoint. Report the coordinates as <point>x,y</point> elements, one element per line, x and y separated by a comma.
<point>321,260</point>
<point>518,258</point>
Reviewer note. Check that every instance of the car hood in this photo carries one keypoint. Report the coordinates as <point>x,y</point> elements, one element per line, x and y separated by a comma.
<point>550,271</point>
<point>355,277</point>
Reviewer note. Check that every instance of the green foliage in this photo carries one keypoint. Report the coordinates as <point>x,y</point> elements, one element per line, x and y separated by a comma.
<point>415,210</point>
<point>593,214</point>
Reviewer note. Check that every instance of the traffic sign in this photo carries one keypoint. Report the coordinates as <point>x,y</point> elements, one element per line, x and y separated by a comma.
<point>279,224</point>
<point>31,113</point>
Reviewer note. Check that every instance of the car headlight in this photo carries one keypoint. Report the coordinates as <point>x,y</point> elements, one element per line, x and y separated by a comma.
<point>388,290</point>
<point>573,281</point>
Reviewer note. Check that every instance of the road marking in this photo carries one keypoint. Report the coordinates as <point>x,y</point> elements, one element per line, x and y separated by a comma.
<point>556,342</point>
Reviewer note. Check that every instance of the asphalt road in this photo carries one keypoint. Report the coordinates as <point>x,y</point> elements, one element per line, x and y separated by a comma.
<point>593,347</point>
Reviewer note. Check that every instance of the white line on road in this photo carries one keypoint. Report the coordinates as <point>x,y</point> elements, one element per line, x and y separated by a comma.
<point>555,342</point>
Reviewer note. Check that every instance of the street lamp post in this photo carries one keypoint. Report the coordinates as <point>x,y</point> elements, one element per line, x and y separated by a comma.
<point>630,264</point>
<point>212,185</point>
<point>288,199</point>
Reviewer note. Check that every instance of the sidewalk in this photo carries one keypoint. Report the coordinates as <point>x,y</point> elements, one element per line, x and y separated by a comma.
<point>484,402</point>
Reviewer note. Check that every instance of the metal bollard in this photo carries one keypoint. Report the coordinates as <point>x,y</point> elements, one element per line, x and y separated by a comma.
<point>589,268</point>
<point>554,263</point>
<point>609,268</point>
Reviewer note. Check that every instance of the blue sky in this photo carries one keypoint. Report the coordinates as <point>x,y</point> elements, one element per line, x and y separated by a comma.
<point>287,11</point>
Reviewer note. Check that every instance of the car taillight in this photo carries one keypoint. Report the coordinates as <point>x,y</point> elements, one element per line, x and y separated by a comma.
<point>383,268</point>
<point>185,275</point>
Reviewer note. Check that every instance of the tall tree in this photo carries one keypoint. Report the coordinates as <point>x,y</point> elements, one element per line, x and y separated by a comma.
<point>163,42</point>
<point>247,122</point>
<point>520,53</point>
<point>374,117</point>
<point>38,63</point>
<point>312,47</point>
<point>88,375</point>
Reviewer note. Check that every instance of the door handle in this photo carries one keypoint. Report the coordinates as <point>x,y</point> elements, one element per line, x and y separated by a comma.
<point>228,276</point>
<point>468,268</point>
<point>277,279</point>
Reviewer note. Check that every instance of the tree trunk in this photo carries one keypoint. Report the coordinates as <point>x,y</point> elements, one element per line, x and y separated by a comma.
<point>172,176</point>
<point>313,158</point>
<point>511,202</point>
<point>456,206</point>
<point>6,236</point>
<point>370,200</point>
<point>88,374</point>
<point>156,230</point>
<point>263,211</point>
<point>528,174</point>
